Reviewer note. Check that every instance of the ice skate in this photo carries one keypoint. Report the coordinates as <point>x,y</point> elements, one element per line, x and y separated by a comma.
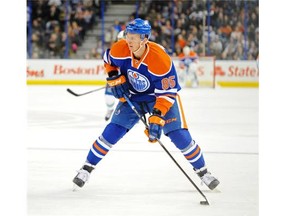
<point>108,114</point>
<point>195,84</point>
<point>83,175</point>
<point>207,178</point>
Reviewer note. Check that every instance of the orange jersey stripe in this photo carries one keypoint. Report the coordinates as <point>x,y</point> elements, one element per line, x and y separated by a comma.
<point>183,119</point>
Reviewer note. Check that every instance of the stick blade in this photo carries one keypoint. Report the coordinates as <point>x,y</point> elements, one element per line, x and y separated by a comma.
<point>71,92</point>
<point>204,203</point>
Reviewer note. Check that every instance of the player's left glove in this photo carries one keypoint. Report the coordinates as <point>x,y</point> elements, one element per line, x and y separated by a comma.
<point>156,123</point>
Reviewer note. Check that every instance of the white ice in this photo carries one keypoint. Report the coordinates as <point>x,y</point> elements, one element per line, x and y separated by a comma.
<point>137,178</point>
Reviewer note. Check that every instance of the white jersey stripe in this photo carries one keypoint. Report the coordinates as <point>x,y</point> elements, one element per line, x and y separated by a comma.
<point>195,159</point>
<point>160,91</point>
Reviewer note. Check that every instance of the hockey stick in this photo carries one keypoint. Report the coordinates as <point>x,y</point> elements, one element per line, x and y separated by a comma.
<point>159,141</point>
<point>75,94</point>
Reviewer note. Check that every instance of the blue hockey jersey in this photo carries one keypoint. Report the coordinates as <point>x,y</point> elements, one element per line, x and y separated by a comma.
<point>153,77</point>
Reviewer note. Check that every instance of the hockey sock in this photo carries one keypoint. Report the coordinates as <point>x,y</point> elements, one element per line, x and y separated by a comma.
<point>110,136</point>
<point>98,150</point>
<point>194,155</point>
<point>189,148</point>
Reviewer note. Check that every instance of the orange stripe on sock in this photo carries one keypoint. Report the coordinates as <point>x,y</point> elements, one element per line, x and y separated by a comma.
<point>194,153</point>
<point>99,149</point>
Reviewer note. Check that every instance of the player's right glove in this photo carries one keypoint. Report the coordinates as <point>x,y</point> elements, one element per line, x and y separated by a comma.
<point>119,86</point>
<point>156,123</point>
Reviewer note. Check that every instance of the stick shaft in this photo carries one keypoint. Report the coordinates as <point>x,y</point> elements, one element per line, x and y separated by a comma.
<point>85,93</point>
<point>159,141</point>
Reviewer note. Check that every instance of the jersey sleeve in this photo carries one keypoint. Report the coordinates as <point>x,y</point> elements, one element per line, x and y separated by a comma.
<point>113,58</point>
<point>164,103</point>
<point>108,62</point>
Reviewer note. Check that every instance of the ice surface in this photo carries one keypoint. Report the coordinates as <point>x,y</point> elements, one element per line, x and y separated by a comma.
<point>137,178</point>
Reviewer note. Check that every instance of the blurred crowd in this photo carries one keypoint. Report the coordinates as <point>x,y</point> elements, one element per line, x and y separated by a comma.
<point>46,25</point>
<point>229,31</point>
<point>233,33</point>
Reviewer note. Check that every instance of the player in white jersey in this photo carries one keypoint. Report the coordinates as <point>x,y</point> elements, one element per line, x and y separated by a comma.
<point>143,72</point>
<point>109,97</point>
<point>189,62</point>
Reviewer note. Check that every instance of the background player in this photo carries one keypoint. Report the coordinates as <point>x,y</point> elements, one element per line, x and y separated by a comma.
<point>109,97</point>
<point>145,73</point>
<point>188,61</point>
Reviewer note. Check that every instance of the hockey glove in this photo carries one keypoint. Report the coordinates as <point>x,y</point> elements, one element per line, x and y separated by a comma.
<point>119,86</point>
<point>156,123</point>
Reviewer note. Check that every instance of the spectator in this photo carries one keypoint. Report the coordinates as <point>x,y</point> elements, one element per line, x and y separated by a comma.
<point>181,40</point>
<point>54,46</point>
<point>117,27</point>
<point>57,3</point>
<point>188,17</point>
<point>216,47</point>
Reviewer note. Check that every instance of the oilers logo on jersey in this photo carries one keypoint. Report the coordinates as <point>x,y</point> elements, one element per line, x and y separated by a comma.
<point>139,82</point>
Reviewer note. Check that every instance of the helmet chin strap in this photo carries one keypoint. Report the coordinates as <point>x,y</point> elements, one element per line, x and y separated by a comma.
<point>141,45</point>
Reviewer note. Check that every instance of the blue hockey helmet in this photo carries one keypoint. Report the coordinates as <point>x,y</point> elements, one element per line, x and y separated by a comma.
<point>139,26</point>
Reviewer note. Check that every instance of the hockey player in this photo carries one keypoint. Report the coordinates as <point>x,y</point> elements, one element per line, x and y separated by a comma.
<point>145,73</point>
<point>110,101</point>
<point>189,61</point>
<point>109,98</point>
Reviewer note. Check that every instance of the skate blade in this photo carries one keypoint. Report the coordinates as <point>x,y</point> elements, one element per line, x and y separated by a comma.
<point>216,190</point>
<point>75,188</point>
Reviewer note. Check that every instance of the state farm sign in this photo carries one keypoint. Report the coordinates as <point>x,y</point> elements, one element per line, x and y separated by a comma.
<point>236,71</point>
